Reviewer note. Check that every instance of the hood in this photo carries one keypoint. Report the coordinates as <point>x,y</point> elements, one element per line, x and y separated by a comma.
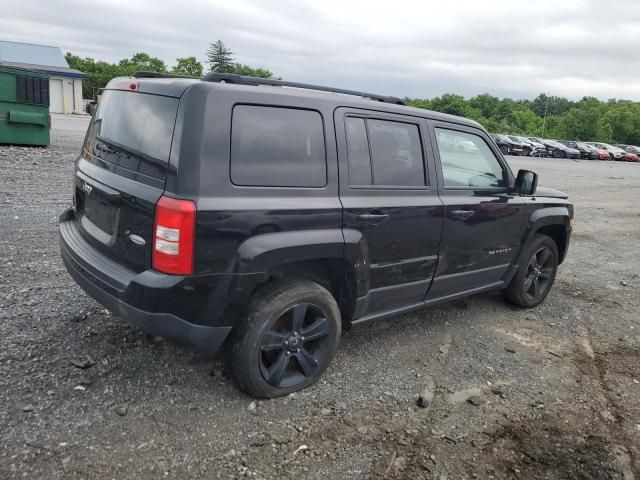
<point>550,192</point>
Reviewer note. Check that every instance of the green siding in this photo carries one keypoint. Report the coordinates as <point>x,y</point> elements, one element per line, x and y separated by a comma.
<point>7,87</point>
<point>21,124</point>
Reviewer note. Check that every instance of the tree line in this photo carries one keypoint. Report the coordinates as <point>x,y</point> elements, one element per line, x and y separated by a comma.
<point>613,121</point>
<point>588,119</point>
<point>219,58</point>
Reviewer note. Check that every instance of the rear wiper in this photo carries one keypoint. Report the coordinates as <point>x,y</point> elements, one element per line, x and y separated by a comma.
<point>105,147</point>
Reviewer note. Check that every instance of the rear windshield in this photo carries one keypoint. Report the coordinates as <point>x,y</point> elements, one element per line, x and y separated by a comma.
<point>137,122</point>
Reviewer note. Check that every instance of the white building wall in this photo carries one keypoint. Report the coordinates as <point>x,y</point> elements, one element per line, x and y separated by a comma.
<point>77,84</point>
<point>71,94</point>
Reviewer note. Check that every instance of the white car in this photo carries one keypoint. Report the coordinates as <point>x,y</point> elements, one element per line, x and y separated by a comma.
<point>615,152</point>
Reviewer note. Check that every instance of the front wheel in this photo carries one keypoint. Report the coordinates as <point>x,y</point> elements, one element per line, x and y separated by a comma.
<point>536,273</point>
<point>286,341</point>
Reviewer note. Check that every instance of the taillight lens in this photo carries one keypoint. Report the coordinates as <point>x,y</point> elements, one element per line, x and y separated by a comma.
<point>173,236</point>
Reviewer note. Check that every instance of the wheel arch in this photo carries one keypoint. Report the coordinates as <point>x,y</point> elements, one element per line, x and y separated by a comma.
<point>555,222</point>
<point>332,258</point>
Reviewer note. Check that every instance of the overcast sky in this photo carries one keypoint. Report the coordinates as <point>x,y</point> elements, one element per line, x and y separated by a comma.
<point>404,48</point>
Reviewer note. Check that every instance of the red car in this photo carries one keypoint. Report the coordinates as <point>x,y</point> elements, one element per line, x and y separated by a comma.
<point>631,157</point>
<point>602,154</point>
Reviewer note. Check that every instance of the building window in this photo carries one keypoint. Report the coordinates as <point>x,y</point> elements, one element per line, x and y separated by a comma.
<point>34,90</point>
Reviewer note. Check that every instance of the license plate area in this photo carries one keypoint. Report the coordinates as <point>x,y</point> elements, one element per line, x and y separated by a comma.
<point>98,215</point>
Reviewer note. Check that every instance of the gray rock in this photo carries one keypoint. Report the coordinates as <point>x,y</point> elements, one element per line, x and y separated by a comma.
<point>82,363</point>
<point>425,398</point>
<point>476,400</point>
<point>122,409</point>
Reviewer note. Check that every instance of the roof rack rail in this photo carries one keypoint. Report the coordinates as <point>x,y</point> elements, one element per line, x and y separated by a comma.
<point>257,81</point>
<point>143,74</point>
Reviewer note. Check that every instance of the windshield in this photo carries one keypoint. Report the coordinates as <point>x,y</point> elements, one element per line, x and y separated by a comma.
<point>137,122</point>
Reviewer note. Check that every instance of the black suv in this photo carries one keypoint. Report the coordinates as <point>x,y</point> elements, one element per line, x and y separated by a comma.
<point>247,215</point>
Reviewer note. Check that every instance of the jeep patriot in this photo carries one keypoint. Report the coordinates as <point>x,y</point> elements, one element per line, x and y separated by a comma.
<point>263,217</point>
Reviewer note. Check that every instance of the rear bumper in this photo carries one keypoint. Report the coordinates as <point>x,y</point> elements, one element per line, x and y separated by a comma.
<point>133,296</point>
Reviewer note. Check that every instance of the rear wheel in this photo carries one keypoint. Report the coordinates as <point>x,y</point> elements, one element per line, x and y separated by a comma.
<point>286,341</point>
<point>536,273</point>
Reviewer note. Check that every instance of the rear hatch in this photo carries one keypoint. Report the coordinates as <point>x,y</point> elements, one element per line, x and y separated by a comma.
<point>121,172</point>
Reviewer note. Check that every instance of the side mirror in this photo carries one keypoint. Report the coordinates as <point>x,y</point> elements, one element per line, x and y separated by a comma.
<point>526,182</point>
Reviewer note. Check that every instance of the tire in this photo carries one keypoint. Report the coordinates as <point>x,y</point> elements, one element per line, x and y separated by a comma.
<point>267,354</point>
<point>504,150</point>
<point>522,290</point>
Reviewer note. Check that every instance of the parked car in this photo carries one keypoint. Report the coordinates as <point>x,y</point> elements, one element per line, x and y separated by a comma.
<point>558,150</point>
<point>585,151</point>
<point>630,157</point>
<point>540,150</point>
<point>551,151</point>
<point>535,149</point>
<point>630,148</point>
<point>600,154</point>
<point>615,153</point>
<point>339,215</point>
<point>525,146</point>
<point>508,146</point>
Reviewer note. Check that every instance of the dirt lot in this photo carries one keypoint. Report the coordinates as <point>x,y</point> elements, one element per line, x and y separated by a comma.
<point>552,392</point>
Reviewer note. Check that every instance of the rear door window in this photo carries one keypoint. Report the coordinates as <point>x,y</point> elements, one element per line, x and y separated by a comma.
<point>277,147</point>
<point>384,153</point>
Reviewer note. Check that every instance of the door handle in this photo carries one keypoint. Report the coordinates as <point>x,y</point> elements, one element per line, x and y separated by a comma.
<point>372,218</point>
<point>461,214</point>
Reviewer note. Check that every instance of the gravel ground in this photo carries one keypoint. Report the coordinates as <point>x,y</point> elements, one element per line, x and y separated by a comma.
<point>551,392</point>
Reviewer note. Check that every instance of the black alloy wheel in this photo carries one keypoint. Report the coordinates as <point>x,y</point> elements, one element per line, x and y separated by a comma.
<point>540,271</point>
<point>537,267</point>
<point>295,344</point>
<point>286,340</point>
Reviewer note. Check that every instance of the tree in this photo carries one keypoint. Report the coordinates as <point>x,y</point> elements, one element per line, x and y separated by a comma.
<point>188,66</point>
<point>552,105</point>
<point>248,71</point>
<point>99,72</point>
<point>451,104</point>
<point>142,62</point>
<point>486,103</point>
<point>220,58</point>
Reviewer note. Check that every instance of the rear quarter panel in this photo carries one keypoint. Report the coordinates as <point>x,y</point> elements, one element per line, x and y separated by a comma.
<point>236,225</point>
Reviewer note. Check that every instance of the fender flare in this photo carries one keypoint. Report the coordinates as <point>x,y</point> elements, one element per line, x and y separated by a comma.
<point>542,217</point>
<point>260,254</point>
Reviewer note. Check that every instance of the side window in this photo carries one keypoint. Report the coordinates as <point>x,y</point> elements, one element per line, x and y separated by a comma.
<point>467,161</point>
<point>358,152</point>
<point>383,152</point>
<point>277,147</point>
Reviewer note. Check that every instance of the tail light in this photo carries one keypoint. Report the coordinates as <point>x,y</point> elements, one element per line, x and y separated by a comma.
<point>173,236</point>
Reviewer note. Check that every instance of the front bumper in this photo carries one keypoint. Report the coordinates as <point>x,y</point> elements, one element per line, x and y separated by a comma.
<point>139,298</point>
